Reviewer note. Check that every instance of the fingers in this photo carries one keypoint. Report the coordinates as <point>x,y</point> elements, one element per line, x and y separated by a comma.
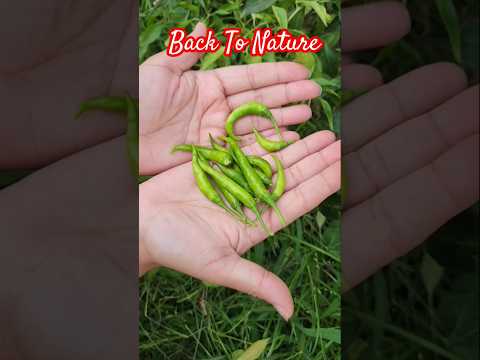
<point>180,63</point>
<point>236,79</point>
<point>299,200</point>
<point>247,277</point>
<point>379,163</point>
<point>312,165</point>
<point>306,196</point>
<point>298,150</point>
<point>373,25</point>
<point>286,116</point>
<point>404,98</point>
<point>278,95</point>
<point>401,216</point>
<point>360,77</point>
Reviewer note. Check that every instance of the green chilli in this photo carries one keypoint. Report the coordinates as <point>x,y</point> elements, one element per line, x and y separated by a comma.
<point>262,164</point>
<point>116,104</point>
<point>280,183</point>
<point>270,145</point>
<point>235,174</point>
<point>234,203</point>
<point>215,145</point>
<point>247,109</point>
<point>204,185</point>
<point>253,179</point>
<point>220,157</point>
<point>265,179</point>
<point>236,190</point>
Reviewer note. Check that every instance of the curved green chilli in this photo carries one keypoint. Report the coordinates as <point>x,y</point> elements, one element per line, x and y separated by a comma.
<point>253,179</point>
<point>236,190</point>
<point>220,157</point>
<point>270,145</point>
<point>262,164</point>
<point>280,183</point>
<point>107,103</point>
<point>247,109</point>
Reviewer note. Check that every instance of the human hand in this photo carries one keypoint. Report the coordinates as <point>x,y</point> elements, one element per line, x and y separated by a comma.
<point>68,257</point>
<point>410,152</point>
<point>182,106</point>
<point>79,52</point>
<point>179,228</point>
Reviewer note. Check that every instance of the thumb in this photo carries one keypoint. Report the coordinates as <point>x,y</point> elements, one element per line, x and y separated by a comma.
<point>248,277</point>
<point>183,62</point>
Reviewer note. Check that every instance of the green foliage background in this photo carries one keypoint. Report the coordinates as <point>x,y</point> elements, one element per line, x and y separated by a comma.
<point>182,318</point>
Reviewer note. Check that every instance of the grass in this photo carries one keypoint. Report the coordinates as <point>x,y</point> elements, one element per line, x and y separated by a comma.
<point>424,305</point>
<point>182,318</point>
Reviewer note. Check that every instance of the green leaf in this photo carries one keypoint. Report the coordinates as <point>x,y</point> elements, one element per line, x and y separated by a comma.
<point>306,59</point>
<point>236,354</point>
<point>255,6</point>
<point>471,45</point>
<point>8,177</point>
<point>431,272</point>
<point>327,109</point>
<point>331,334</point>
<point>281,15</point>
<point>249,59</point>
<point>448,13</point>
<point>320,218</point>
<point>148,36</point>
<point>321,12</point>
<point>254,351</point>
<point>269,57</point>
<point>210,59</point>
<point>227,9</point>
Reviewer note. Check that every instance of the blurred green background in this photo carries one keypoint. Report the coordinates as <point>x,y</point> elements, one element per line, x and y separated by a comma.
<point>424,305</point>
<point>182,318</point>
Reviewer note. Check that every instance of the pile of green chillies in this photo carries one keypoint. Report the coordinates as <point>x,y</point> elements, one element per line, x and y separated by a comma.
<point>233,180</point>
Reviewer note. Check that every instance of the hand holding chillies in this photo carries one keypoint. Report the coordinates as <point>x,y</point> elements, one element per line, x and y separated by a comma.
<point>231,179</point>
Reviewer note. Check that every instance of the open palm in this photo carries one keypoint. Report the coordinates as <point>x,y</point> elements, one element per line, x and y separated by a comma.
<point>184,231</point>
<point>179,228</point>
<point>181,106</point>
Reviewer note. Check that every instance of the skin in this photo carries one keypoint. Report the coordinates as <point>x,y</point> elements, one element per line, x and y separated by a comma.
<point>221,244</point>
<point>250,108</point>
<point>313,174</point>
<point>269,145</point>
